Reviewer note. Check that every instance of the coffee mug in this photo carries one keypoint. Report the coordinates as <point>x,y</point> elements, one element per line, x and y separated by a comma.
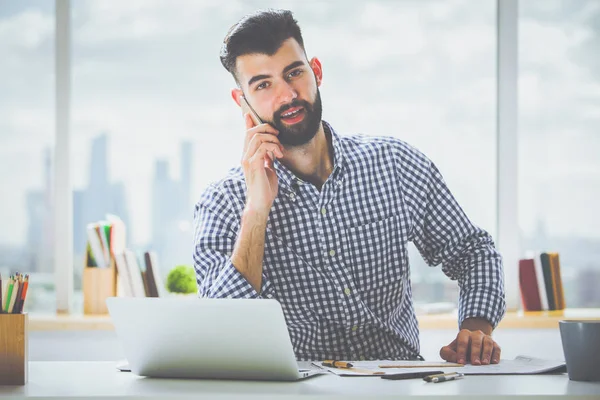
<point>581,345</point>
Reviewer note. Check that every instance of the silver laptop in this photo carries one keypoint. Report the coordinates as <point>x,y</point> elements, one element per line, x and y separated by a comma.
<point>205,338</point>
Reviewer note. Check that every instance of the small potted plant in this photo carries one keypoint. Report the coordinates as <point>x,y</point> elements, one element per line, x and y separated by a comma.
<point>182,281</point>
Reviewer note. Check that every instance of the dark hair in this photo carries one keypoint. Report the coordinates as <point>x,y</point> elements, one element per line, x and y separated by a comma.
<point>261,32</point>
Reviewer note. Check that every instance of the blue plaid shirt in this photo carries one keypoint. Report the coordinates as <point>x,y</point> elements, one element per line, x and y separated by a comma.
<point>337,259</point>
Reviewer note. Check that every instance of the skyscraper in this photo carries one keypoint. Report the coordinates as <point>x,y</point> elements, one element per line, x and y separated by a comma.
<point>40,243</point>
<point>99,197</point>
<point>172,212</point>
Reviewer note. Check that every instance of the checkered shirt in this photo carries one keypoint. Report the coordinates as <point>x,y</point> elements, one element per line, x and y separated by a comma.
<point>337,259</point>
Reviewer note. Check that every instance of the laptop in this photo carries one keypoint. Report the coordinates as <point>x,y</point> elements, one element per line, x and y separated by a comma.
<point>205,338</point>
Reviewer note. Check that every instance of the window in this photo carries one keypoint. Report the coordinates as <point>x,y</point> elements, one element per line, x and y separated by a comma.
<point>559,166</point>
<point>26,147</point>
<point>153,121</point>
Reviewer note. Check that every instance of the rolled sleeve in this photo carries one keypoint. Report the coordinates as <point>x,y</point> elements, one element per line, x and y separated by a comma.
<point>444,235</point>
<point>216,223</point>
<point>230,283</point>
<point>482,287</point>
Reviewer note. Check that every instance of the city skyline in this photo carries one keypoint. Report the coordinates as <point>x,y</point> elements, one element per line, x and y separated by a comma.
<point>171,235</point>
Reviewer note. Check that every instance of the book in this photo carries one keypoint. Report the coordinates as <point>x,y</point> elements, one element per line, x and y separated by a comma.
<point>135,272</point>
<point>546,269</point>
<point>124,275</point>
<point>118,234</point>
<point>155,281</point>
<point>539,274</point>
<point>557,281</point>
<point>144,272</point>
<point>528,285</point>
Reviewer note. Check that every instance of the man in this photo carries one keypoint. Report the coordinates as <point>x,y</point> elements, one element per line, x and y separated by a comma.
<point>321,222</point>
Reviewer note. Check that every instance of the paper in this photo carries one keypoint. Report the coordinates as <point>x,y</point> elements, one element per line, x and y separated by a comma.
<point>521,365</point>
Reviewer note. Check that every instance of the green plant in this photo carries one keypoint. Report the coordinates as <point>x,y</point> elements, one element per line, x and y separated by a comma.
<point>182,279</point>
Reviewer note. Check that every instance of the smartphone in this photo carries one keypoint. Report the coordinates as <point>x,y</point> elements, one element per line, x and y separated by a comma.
<point>246,109</point>
<point>410,375</point>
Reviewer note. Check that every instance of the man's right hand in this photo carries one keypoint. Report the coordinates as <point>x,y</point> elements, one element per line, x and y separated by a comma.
<point>261,180</point>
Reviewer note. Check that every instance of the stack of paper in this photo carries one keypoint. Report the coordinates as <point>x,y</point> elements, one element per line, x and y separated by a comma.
<point>521,365</point>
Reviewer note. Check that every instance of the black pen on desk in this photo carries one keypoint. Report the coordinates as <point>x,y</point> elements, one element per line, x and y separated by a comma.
<point>445,377</point>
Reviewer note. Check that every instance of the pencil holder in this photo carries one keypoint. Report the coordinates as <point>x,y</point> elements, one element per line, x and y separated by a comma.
<point>98,285</point>
<point>14,343</point>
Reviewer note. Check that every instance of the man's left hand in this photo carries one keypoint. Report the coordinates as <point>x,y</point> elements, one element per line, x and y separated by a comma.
<point>475,347</point>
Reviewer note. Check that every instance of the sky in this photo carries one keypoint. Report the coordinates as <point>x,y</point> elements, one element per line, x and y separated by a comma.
<point>147,73</point>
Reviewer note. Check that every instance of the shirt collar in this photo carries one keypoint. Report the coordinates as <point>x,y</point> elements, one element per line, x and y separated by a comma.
<point>287,177</point>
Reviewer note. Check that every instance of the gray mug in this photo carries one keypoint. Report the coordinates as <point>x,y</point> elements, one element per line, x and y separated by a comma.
<point>581,345</point>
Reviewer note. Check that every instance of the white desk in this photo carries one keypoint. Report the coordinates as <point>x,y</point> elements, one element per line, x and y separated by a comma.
<point>101,379</point>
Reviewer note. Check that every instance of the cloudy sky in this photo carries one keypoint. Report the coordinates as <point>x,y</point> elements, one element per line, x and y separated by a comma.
<point>147,73</point>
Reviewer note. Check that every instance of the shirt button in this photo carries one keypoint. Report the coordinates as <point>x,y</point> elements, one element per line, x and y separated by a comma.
<point>354,328</point>
<point>323,211</point>
<point>347,291</point>
<point>332,253</point>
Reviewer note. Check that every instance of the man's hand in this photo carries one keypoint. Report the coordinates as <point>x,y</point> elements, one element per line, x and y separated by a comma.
<point>474,346</point>
<point>260,148</point>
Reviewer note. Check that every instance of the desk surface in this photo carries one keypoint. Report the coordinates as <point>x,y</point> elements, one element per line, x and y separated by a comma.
<point>101,379</point>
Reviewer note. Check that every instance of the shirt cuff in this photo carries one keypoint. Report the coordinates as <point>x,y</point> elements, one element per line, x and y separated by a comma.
<point>230,283</point>
<point>481,303</point>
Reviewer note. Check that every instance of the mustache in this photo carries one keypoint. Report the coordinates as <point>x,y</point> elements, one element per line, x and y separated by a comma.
<point>294,103</point>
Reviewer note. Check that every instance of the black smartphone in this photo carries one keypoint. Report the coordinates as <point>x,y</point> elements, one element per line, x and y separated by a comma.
<point>410,375</point>
<point>247,109</point>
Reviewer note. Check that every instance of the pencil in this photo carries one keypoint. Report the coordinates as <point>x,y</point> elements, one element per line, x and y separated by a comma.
<point>423,365</point>
<point>24,294</point>
<point>8,294</point>
<point>337,364</point>
<point>365,371</point>
<point>13,297</point>
<point>15,309</point>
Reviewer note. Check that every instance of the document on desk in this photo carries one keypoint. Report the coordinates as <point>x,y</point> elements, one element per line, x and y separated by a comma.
<point>521,365</point>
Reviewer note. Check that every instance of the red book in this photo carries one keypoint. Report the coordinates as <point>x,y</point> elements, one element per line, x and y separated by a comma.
<point>530,294</point>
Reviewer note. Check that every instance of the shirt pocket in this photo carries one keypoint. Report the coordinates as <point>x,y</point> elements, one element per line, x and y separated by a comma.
<point>296,283</point>
<point>376,253</point>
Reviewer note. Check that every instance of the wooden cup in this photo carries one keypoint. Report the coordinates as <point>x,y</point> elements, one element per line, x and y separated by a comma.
<point>98,285</point>
<point>14,349</point>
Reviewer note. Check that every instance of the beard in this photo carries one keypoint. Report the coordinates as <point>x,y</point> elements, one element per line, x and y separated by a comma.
<point>301,132</point>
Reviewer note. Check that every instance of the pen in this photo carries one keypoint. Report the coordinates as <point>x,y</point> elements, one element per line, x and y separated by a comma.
<point>336,364</point>
<point>444,377</point>
<point>410,375</point>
